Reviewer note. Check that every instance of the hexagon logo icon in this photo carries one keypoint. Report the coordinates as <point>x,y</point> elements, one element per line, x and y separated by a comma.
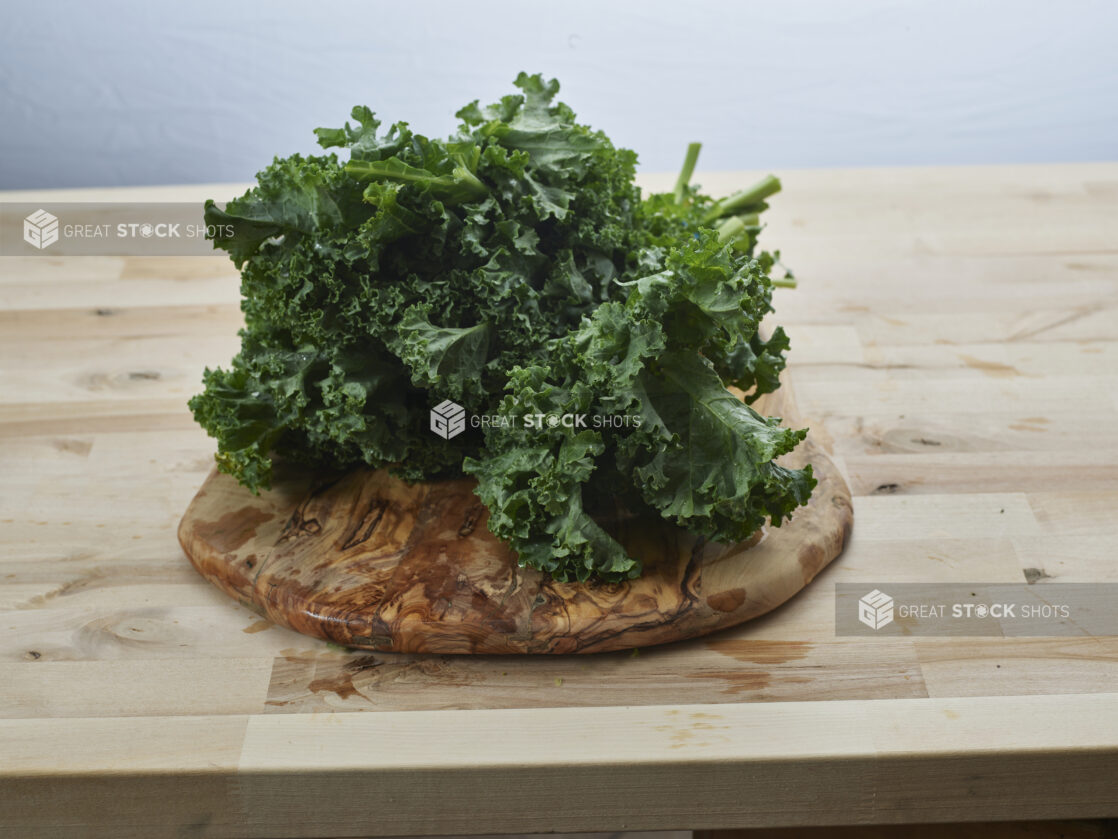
<point>40,229</point>
<point>448,419</point>
<point>875,609</point>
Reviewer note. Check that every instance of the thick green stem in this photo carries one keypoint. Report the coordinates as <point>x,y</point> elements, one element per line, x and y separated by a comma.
<point>686,172</point>
<point>746,198</point>
<point>731,229</point>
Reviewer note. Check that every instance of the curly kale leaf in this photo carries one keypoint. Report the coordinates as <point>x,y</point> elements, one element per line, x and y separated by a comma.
<point>513,268</point>
<point>699,458</point>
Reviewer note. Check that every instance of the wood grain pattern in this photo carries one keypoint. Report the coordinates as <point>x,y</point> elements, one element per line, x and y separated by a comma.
<point>1095,829</point>
<point>563,769</point>
<point>127,682</point>
<point>366,561</point>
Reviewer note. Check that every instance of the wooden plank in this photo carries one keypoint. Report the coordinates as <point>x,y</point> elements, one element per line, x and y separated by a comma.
<point>961,397</point>
<point>1075,558</point>
<point>1017,666</point>
<point>728,668</point>
<point>91,416</point>
<point>976,515</point>
<point>144,368</point>
<point>119,777</point>
<point>55,328</point>
<point>1078,829</point>
<point>730,766</point>
<point>168,687</point>
<point>75,582</point>
<point>955,344</point>
<point>870,762</point>
<point>974,471</point>
<point>953,300</point>
<point>1073,510</point>
<point>137,631</point>
<point>954,362</point>
<point>909,431</point>
<point>70,290</point>
<point>1088,319</point>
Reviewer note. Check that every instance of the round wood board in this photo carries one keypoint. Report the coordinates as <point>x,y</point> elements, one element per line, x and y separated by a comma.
<point>365,560</point>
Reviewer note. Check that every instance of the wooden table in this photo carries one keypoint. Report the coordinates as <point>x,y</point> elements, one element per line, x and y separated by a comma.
<point>955,339</point>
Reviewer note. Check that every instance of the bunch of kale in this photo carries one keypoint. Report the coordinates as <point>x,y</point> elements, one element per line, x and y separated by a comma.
<point>516,270</point>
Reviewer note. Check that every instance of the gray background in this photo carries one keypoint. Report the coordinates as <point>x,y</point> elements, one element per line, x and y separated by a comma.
<point>131,93</point>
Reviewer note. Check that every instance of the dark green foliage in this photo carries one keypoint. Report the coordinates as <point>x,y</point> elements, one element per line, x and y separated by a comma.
<point>516,270</point>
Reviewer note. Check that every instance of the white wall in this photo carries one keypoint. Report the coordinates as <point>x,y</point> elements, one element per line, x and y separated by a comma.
<point>133,93</point>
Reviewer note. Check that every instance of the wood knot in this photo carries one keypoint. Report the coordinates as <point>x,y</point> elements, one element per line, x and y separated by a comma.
<point>470,521</point>
<point>726,601</point>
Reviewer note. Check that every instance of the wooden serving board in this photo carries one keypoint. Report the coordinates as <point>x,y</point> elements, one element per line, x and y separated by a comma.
<point>365,560</point>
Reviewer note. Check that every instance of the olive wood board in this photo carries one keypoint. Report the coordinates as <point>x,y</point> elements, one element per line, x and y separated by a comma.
<point>365,560</point>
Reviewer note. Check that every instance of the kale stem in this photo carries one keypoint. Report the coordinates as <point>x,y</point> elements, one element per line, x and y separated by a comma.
<point>685,173</point>
<point>731,230</point>
<point>787,281</point>
<point>736,203</point>
<point>470,181</point>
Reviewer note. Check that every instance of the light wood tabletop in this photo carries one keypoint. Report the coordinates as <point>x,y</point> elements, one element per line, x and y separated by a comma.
<point>955,347</point>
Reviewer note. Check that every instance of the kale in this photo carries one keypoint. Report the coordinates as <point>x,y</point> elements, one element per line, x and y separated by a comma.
<point>516,270</point>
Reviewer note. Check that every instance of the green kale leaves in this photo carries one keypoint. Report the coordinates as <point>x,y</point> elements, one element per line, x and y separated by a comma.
<point>516,270</point>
